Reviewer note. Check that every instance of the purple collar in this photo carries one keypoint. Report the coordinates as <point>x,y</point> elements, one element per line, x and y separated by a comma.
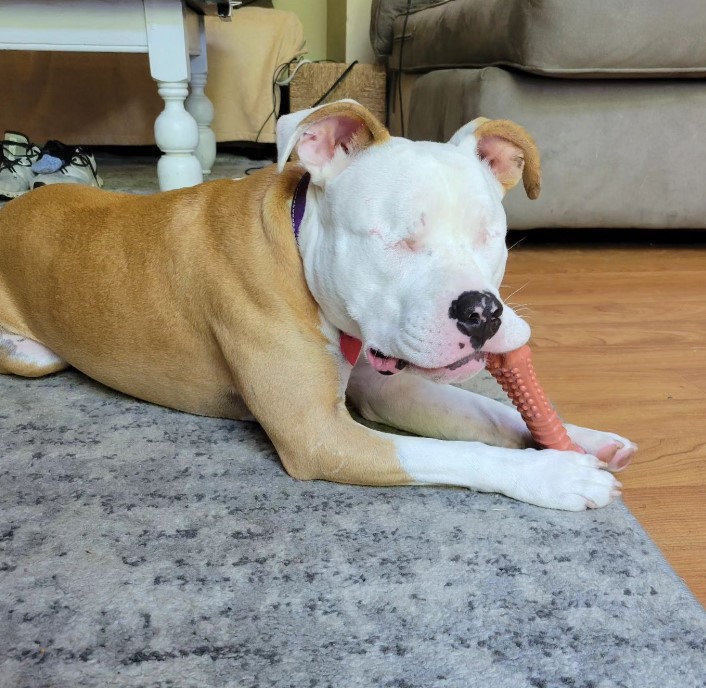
<point>350,346</point>
<point>299,203</point>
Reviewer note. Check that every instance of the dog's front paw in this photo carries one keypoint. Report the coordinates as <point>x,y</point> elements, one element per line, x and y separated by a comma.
<point>566,480</point>
<point>610,448</point>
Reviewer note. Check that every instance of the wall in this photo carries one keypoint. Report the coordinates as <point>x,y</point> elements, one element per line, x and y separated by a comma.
<point>335,29</point>
<point>358,31</point>
<point>313,15</point>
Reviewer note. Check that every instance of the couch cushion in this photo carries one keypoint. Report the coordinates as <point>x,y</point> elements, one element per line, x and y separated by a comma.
<point>558,37</point>
<point>615,154</point>
<point>382,18</point>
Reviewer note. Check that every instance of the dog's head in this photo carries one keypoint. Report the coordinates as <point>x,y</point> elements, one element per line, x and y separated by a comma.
<point>404,242</point>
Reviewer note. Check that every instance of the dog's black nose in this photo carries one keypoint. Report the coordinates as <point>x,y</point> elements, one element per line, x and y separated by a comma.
<point>477,315</point>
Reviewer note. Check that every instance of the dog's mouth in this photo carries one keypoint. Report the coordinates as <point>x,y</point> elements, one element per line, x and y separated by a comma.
<point>390,365</point>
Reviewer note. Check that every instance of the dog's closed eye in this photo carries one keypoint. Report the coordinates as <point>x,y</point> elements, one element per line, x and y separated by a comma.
<point>410,244</point>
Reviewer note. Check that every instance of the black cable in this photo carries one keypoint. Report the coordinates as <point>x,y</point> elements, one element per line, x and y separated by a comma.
<point>250,170</point>
<point>336,83</point>
<point>399,68</point>
<point>275,76</point>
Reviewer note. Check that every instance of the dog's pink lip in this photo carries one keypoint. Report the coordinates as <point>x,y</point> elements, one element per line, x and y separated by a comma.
<point>386,365</point>
<point>391,365</point>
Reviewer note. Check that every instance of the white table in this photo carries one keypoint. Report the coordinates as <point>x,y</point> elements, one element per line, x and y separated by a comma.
<point>167,30</point>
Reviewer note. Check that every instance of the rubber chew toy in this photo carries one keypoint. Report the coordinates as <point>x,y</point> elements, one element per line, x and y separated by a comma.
<point>515,374</point>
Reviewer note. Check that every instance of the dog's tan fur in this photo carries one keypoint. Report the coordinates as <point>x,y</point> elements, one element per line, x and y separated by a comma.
<point>194,299</point>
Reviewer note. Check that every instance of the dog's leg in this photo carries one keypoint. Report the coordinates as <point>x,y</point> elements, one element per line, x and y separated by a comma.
<point>331,446</point>
<point>336,448</point>
<point>413,404</point>
<point>548,477</point>
<point>316,438</point>
<point>23,356</point>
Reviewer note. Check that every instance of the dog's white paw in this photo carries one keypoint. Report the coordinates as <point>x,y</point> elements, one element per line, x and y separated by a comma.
<point>565,480</point>
<point>610,448</point>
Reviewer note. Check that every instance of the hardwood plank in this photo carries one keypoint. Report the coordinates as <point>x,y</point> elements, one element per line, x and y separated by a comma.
<point>591,287</point>
<point>670,464</point>
<point>598,324</point>
<point>601,380</point>
<point>645,360</point>
<point>559,259</point>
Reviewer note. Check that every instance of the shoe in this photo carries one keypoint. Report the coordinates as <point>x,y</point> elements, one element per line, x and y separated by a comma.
<point>18,156</point>
<point>62,164</point>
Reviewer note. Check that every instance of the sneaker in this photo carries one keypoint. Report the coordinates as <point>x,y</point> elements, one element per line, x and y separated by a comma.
<point>62,164</point>
<point>18,156</point>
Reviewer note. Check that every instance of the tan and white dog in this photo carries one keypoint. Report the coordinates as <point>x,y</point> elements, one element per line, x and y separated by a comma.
<point>202,299</point>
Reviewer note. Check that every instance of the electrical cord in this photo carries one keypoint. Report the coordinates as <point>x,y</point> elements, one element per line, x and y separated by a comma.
<point>276,76</point>
<point>336,83</point>
<point>297,67</point>
<point>278,80</point>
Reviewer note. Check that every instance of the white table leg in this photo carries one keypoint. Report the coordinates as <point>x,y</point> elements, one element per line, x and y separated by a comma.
<point>199,106</point>
<point>175,130</point>
<point>177,136</point>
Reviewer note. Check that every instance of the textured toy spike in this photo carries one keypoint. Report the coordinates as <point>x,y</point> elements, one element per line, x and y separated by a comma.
<point>515,373</point>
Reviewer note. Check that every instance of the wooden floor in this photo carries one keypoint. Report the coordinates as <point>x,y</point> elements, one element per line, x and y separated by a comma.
<point>619,340</point>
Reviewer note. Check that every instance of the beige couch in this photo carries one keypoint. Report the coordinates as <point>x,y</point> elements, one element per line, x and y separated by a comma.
<point>614,91</point>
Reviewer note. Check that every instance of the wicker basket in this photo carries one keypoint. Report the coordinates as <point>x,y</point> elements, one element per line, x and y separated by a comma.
<point>364,83</point>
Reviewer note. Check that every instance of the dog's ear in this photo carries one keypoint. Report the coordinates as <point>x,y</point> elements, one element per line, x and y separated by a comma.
<point>328,137</point>
<point>508,149</point>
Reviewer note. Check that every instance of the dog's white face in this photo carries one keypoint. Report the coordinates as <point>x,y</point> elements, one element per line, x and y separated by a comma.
<point>404,248</point>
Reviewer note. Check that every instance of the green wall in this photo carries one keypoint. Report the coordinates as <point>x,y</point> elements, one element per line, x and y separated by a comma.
<point>335,30</point>
<point>313,15</point>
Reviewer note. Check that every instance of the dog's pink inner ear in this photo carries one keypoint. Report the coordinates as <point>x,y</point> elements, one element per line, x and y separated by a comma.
<point>319,141</point>
<point>506,160</point>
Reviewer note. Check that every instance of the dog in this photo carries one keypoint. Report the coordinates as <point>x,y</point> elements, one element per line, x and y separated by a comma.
<point>367,269</point>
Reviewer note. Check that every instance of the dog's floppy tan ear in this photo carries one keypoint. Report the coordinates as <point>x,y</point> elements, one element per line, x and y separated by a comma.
<point>328,137</point>
<point>509,150</point>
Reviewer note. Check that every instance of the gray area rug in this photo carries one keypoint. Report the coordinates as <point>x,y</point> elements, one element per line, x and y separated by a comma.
<point>141,546</point>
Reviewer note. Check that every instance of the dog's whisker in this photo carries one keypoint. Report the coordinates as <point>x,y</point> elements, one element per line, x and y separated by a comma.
<point>520,307</point>
<point>509,296</point>
<point>523,310</point>
<point>517,243</point>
